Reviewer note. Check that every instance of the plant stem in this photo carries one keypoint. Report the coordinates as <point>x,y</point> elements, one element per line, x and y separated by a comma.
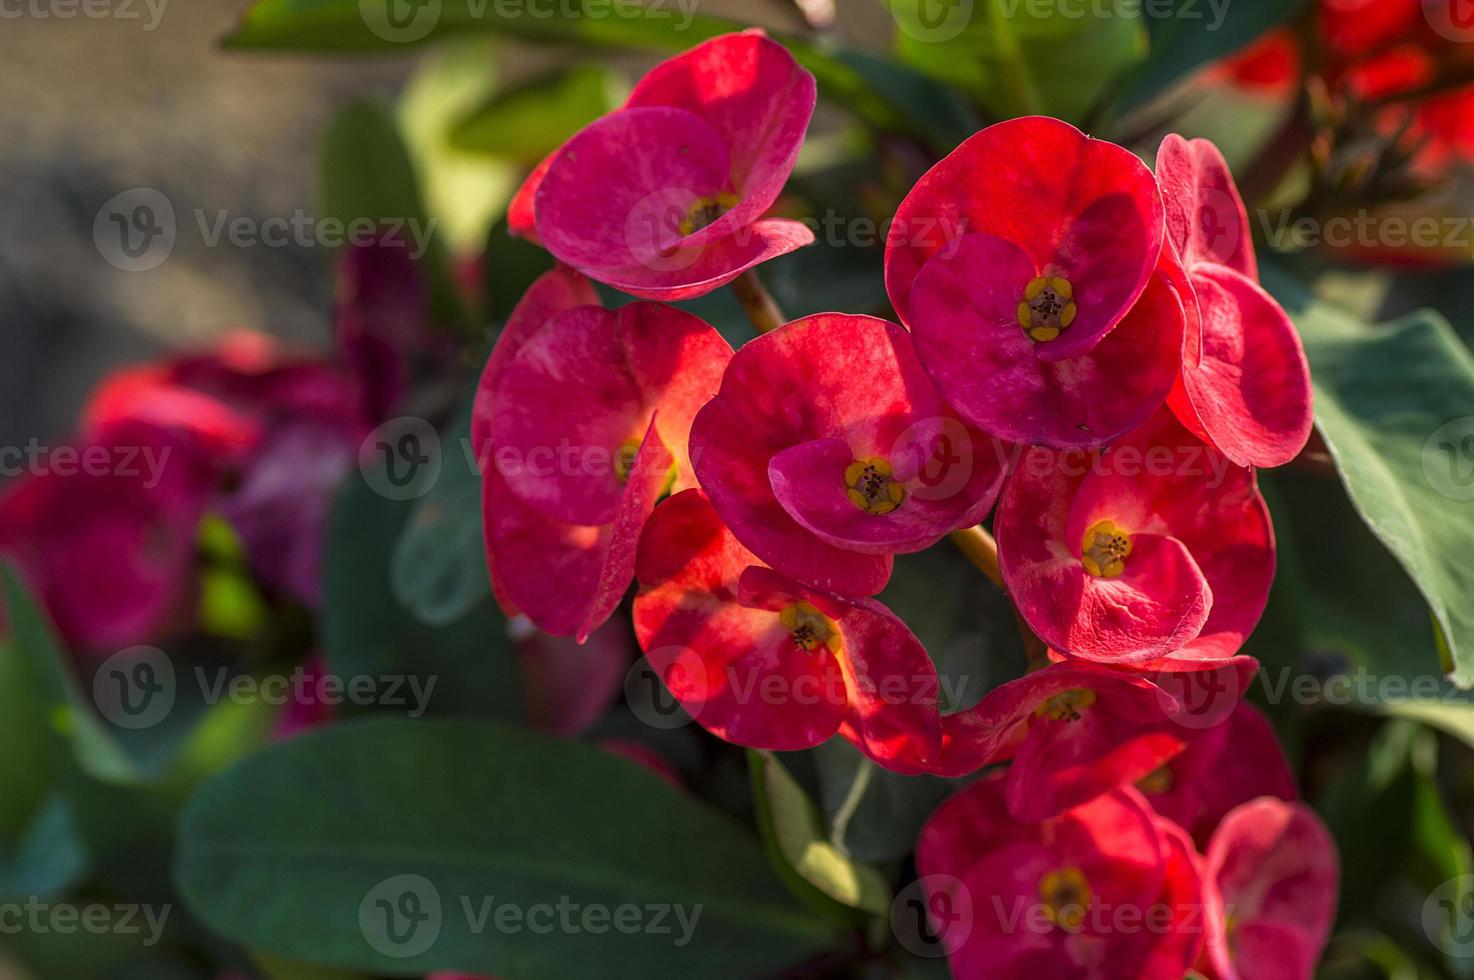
<point>757,302</point>
<point>979,548</point>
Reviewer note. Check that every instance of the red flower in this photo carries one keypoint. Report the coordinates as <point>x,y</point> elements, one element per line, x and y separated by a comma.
<point>1245,384</point>
<point>283,429</point>
<point>1157,548</point>
<point>1104,891</point>
<point>1025,264</point>
<point>827,450</point>
<point>1273,872</point>
<point>665,197</point>
<point>762,661</point>
<point>581,416</point>
<point>1230,763</point>
<point>104,533</point>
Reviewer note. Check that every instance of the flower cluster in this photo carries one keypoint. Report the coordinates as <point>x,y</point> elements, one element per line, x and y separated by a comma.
<point>249,432</point>
<point>1092,354</point>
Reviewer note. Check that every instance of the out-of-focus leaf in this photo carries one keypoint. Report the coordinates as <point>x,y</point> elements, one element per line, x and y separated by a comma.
<point>49,857</point>
<point>1019,58</point>
<point>511,265</point>
<point>55,692</point>
<point>439,565</point>
<point>1394,406</point>
<point>814,869</point>
<point>368,181</point>
<point>464,192</point>
<point>368,632</point>
<point>395,826</point>
<point>1193,33</point>
<point>527,122</point>
<point>885,97</point>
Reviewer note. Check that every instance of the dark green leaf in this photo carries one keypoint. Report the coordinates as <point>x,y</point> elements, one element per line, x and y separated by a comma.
<point>465,667</point>
<point>874,814</point>
<point>1394,405</point>
<point>456,814</point>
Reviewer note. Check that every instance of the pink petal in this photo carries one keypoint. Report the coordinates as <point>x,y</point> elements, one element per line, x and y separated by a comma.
<point>1205,216</point>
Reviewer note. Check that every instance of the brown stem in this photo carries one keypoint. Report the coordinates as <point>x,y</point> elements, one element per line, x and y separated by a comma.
<point>757,302</point>
<point>1289,143</point>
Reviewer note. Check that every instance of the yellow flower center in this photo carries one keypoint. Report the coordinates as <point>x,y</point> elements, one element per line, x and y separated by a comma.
<point>1156,782</point>
<point>870,487</point>
<point>1067,895</point>
<point>1047,307</point>
<point>811,629</point>
<point>624,459</point>
<point>705,210</point>
<point>1067,705</point>
<point>1104,549</point>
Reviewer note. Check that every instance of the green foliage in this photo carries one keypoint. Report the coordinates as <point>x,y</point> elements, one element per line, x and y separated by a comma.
<point>299,874</point>
<point>1383,397</point>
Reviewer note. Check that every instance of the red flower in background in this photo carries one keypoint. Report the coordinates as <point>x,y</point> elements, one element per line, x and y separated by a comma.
<point>1156,548</point>
<point>581,423</point>
<point>1245,383</point>
<point>828,450</point>
<point>104,533</point>
<point>665,198</point>
<point>1104,891</point>
<point>1025,265</point>
<point>1272,869</point>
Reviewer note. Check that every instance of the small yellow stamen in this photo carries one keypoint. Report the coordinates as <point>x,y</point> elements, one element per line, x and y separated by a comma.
<point>869,486</point>
<point>1048,307</point>
<point>624,459</point>
<point>811,629</point>
<point>705,210</point>
<point>1104,549</point>
<point>1156,782</point>
<point>1067,896</point>
<point>1067,705</point>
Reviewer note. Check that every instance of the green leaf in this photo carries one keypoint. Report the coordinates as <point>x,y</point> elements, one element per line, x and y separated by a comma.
<point>467,666</point>
<point>531,120</point>
<point>512,264</point>
<point>1383,396</point>
<point>452,815</point>
<point>793,832</point>
<point>55,692</point>
<point>1020,59</point>
<point>1194,33</point>
<point>885,97</point>
<point>439,566</point>
<point>367,175</point>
